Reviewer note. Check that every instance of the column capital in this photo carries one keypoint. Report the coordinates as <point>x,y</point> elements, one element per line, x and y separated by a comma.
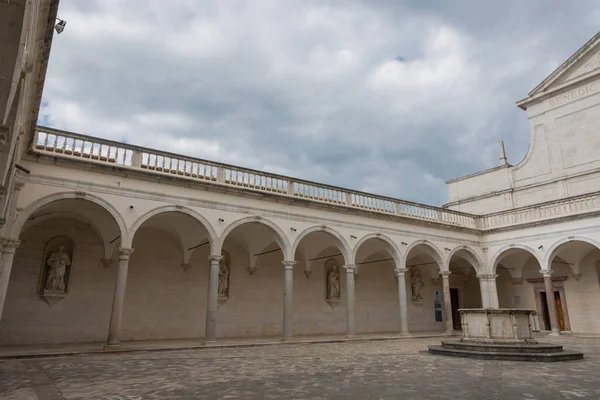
<point>546,272</point>
<point>350,268</point>
<point>9,245</point>
<point>214,257</point>
<point>401,271</point>
<point>288,264</point>
<point>487,277</point>
<point>124,253</point>
<point>445,274</point>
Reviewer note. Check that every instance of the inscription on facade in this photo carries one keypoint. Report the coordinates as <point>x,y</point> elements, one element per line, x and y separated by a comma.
<point>573,95</point>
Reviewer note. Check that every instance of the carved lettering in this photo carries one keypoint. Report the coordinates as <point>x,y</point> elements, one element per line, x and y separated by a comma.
<point>573,95</point>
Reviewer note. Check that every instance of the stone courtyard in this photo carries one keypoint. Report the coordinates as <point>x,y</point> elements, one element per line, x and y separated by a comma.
<point>390,369</point>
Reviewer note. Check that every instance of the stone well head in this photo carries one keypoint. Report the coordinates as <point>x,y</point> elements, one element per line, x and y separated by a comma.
<point>496,325</point>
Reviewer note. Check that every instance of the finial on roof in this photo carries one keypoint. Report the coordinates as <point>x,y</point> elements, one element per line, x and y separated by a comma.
<point>502,154</point>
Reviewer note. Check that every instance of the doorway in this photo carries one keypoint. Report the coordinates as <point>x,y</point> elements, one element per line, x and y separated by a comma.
<point>559,311</point>
<point>455,314</point>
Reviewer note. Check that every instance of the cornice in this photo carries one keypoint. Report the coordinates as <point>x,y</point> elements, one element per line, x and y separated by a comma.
<point>195,202</point>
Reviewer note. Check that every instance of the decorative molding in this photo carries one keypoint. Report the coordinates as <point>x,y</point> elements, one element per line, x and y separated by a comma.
<point>555,279</point>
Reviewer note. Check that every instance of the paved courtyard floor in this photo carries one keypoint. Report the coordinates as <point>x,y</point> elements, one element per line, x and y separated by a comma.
<point>394,369</point>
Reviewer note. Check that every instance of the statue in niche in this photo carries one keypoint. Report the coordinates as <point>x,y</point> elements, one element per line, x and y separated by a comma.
<point>58,262</point>
<point>224,270</point>
<point>55,272</point>
<point>417,284</point>
<point>333,280</point>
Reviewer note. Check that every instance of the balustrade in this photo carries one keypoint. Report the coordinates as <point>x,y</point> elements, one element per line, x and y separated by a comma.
<point>72,145</point>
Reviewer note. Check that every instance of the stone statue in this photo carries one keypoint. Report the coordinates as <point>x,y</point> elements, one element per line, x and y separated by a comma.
<point>333,283</point>
<point>58,263</point>
<point>417,284</point>
<point>224,277</point>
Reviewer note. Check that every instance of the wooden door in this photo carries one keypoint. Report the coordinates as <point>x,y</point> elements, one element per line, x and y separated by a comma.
<point>455,313</point>
<point>560,312</point>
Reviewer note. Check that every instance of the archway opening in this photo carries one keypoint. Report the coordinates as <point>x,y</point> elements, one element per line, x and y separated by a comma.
<point>251,302</point>
<point>376,291</point>
<point>465,290</point>
<point>575,278</point>
<point>424,289</point>
<point>167,278</point>
<point>62,276</point>
<point>320,284</point>
<point>520,283</point>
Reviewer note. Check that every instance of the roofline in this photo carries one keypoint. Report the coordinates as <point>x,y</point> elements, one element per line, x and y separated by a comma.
<point>485,171</point>
<point>570,61</point>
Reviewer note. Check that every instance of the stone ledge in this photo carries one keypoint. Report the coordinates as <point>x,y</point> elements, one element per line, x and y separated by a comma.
<point>506,355</point>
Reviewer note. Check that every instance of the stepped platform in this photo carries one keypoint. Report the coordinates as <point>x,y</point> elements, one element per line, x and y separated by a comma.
<point>501,334</point>
<point>506,352</point>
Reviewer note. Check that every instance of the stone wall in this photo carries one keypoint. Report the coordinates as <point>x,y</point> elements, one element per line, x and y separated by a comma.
<point>83,315</point>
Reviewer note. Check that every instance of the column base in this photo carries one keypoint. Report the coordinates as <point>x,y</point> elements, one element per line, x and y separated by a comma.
<point>287,338</point>
<point>554,334</point>
<point>111,346</point>
<point>404,334</point>
<point>209,341</point>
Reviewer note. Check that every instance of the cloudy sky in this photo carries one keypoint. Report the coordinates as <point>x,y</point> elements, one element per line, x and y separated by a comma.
<point>393,97</point>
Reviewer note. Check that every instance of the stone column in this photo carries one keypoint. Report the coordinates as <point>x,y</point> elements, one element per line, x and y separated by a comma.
<point>447,302</point>
<point>351,324</point>
<point>116,316</point>
<point>6,260</point>
<point>288,299</point>
<point>212,302</point>
<point>401,273</point>
<point>555,329</point>
<point>489,291</point>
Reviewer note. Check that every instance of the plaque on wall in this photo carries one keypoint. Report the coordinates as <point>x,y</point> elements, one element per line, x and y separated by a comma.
<point>55,273</point>
<point>437,305</point>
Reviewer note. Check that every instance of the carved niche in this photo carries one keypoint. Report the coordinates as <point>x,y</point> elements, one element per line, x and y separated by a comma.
<point>332,282</point>
<point>224,273</point>
<point>55,272</point>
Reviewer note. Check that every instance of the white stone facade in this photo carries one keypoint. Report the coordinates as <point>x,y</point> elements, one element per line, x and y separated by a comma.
<point>146,234</point>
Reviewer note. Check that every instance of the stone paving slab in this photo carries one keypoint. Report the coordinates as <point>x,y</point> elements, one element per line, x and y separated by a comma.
<point>394,369</point>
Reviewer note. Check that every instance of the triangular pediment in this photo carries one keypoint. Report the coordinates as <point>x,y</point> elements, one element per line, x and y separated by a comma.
<point>581,65</point>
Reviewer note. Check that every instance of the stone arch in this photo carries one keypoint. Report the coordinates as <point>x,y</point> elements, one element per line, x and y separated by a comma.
<point>435,252</point>
<point>280,237</point>
<point>339,240</point>
<point>472,257</point>
<point>389,244</point>
<point>24,215</point>
<point>553,250</point>
<point>210,232</point>
<point>496,258</point>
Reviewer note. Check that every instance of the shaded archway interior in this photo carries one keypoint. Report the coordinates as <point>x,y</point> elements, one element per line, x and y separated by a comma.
<point>168,278</point>
<point>94,235</point>
<point>376,290</point>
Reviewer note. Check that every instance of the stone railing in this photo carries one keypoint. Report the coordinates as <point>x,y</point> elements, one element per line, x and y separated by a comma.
<point>540,212</point>
<point>87,148</point>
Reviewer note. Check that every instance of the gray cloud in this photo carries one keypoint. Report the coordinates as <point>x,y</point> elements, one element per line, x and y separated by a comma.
<point>383,96</point>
